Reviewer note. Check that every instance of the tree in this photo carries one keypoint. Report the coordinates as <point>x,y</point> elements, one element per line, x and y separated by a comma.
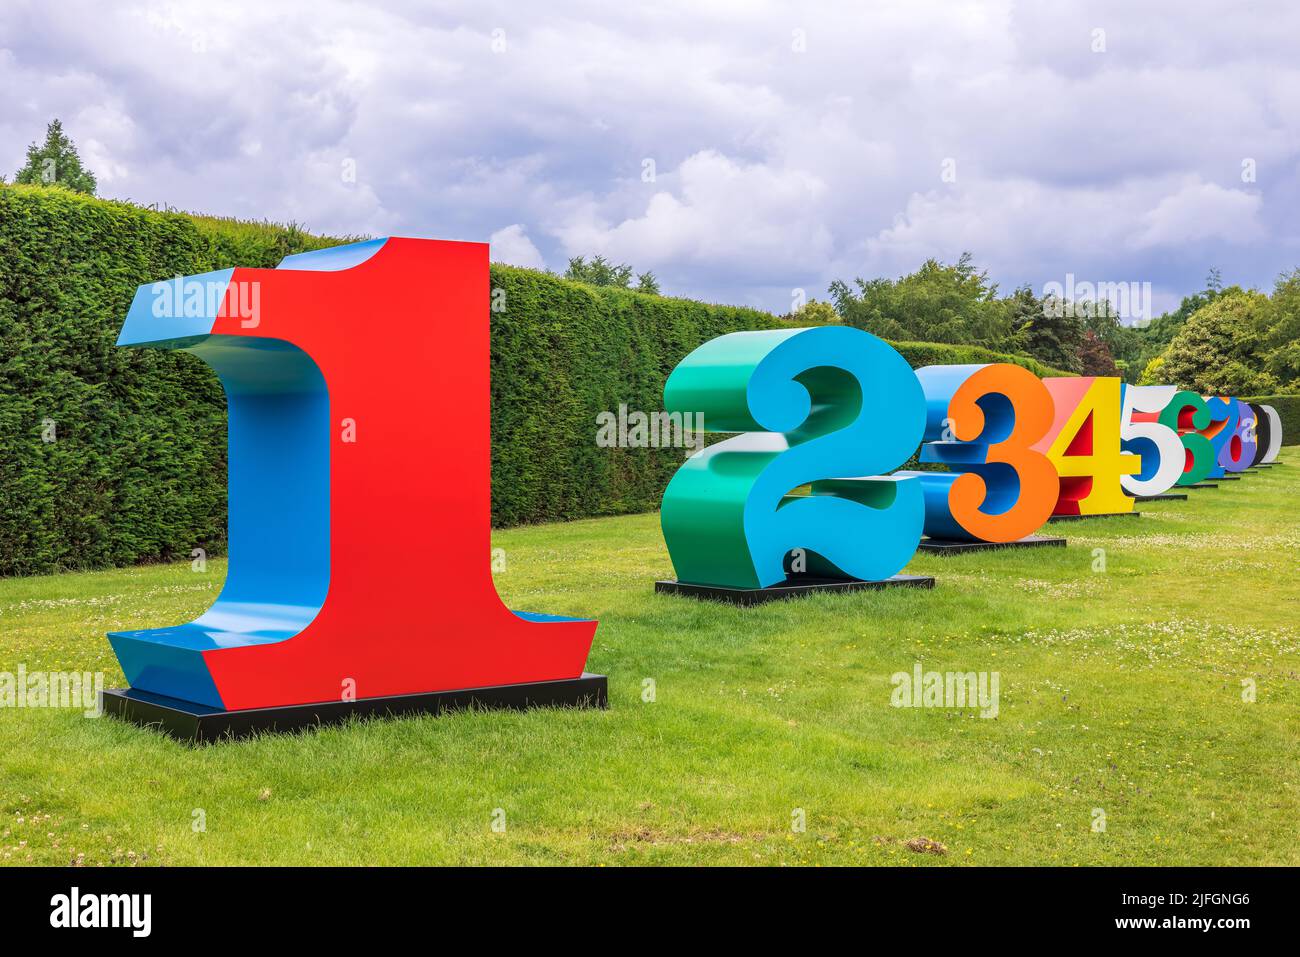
<point>814,313</point>
<point>1123,344</point>
<point>1283,339</point>
<point>55,162</point>
<point>937,303</point>
<point>647,283</point>
<point>599,271</point>
<point>1151,339</point>
<point>1095,357</point>
<point>1153,372</point>
<point>1219,349</point>
<point>1049,332</point>
<point>1021,306</point>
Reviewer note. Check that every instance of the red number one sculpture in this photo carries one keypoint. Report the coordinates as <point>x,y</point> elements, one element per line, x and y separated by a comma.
<point>357,381</point>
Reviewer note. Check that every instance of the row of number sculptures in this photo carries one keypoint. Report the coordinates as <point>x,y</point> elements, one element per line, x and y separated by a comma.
<point>823,419</point>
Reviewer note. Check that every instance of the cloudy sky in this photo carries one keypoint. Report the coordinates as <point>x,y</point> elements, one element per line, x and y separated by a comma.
<point>741,149</point>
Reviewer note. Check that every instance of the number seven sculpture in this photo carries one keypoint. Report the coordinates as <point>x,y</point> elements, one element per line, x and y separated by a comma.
<point>359,579</point>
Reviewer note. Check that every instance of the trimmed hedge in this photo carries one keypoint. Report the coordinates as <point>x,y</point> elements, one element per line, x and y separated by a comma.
<point>1288,410</point>
<point>920,354</point>
<point>137,469</point>
<point>564,352</point>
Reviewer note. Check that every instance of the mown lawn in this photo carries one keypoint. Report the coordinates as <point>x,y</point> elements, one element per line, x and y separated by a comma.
<point>1120,689</point>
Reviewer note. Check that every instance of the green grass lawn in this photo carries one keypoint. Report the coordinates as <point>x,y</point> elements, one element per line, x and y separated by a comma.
<point>1120,690</point>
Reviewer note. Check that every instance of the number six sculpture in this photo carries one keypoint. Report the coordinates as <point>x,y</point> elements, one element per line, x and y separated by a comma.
<point>359,579</point>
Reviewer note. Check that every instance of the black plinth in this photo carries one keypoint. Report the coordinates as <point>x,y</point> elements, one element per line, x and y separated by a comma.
<point>796,586</point>
<point>1162,497</point>
<point>944,546</point>
<point>1201,485</point>
<point>187,721</point>
<point>1228,478</point>
<point>1072,518</point>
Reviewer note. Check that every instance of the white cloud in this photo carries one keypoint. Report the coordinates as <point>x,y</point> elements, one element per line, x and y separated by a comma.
<point>714,212</point>
<point>512,246</point>
<point>775,168</point>
<point>1199,211</point>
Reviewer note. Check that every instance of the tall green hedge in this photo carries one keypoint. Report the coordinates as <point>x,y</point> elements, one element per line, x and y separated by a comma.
<point>1288,410</point>
<point>136,467</point>
<point>564,352</point>
<point>136,471</point>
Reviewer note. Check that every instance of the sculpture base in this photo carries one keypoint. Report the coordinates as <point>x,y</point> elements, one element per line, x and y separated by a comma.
<point>187,721</point>
<point>1071,518</point>
<point>796,586</point>
<point>1201,485</point>
<point>946,546</point>
<point>1228,478</point>
<point>1162,497</point>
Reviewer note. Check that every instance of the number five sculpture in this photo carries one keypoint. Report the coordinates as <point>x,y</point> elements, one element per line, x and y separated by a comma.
<point>359,535</point>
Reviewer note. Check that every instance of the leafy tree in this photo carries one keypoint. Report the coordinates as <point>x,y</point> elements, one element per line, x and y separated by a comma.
<point>599,271</point>
<point>56,162</point>
<point>1095,357</point>
<point>1021,306</point>
<point>1153,372</point>
<point>647,283</point>
<point>937,303</point>
<point>1219,349</point>
<point>1283,341</point>
<point>1050,333</point>
<point>1123,344</point>
<point>814,313</point>
<point>1152,338</point>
